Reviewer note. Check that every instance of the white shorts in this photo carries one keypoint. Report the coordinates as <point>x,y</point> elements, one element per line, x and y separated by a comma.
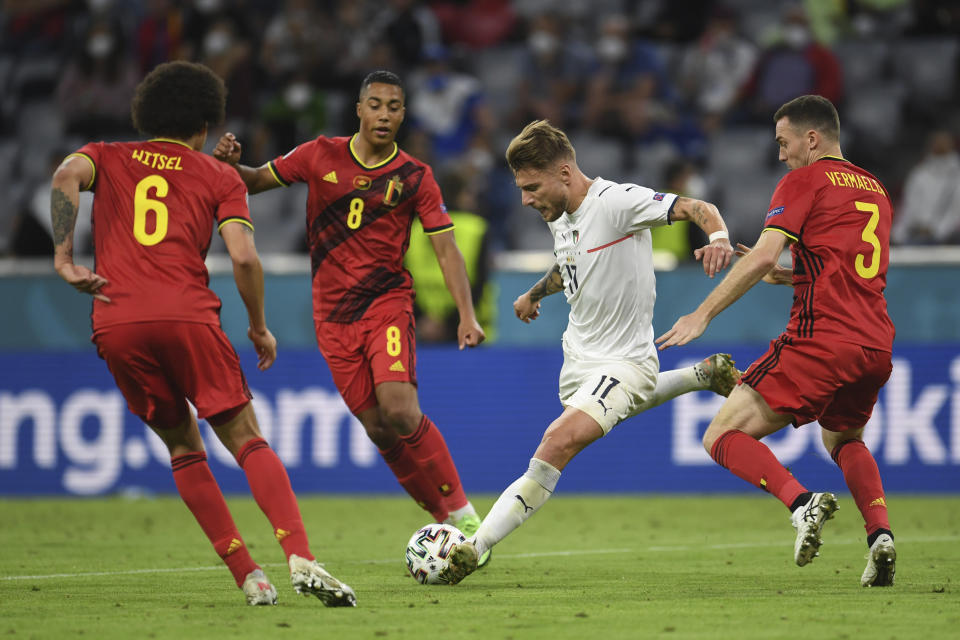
<point>607,391</point>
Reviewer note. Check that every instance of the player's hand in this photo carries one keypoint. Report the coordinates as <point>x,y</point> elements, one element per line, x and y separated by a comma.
<point>83,280</point>
<point>470,333</point>
<point>686,328</point>
<point>526,309</point>
<point>716,256</point>
<point>227,149</point>
<point>265,345</point>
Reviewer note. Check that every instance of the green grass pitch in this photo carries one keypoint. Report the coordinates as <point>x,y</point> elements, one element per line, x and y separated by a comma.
<point>584,567</point>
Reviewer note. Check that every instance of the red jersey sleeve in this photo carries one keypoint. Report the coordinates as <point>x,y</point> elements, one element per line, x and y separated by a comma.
<point>232,201</point>
<point>296,165</point>
<point>790,205</point>
<point>429,206</point>
<point>91,153</point>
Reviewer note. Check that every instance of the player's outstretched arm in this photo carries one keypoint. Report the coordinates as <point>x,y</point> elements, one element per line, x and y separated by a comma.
<point>248,274</point>
<point>778,275</point>
<point>71,177</point>
<point>469,331</point>
<point>527,306</point>
<point>717,255</point>
<point>258,179</point>
<point>747,272</point>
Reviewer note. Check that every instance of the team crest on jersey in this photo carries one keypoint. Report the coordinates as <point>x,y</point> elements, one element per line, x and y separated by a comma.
<point>392,195</point>
<point>658,197</point>
<point>774,212</point>
<point>361,182</point>
<point>576,236</point>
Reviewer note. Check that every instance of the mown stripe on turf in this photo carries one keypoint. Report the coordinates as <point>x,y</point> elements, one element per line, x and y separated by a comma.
<point>539,554</point>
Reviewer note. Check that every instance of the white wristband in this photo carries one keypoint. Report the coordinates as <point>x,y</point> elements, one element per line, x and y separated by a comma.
<point>716,235</point>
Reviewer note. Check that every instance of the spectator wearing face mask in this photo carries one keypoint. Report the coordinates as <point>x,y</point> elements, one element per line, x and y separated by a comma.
<point>95,90</point>
<point>228,53</point>
<point>715,68</point>
<point>629,92</point>
<point>450,106</point>
<point>930,210</point>
<point>793,64</point>
<point>296,112</point>
<point>554,77</point>
<point>159,34</point>
<point>680,238</point>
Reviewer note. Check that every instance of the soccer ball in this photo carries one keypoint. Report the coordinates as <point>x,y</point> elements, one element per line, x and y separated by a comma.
<point>428,549</point>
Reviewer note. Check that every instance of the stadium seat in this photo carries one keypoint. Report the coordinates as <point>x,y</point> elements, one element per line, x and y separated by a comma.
<point>876,111</point>
<point>598,155</point>
<point>865,63</point>
<point>928,67</point>
<point>744,202</point>
<point>741,150</point>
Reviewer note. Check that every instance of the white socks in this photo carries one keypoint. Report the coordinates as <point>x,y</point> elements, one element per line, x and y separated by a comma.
<point>517,503</point>
<point>673,383</point>
<point>454,516</point>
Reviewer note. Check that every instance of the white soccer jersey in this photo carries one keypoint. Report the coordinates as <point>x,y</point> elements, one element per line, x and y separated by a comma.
<point>605,253</point>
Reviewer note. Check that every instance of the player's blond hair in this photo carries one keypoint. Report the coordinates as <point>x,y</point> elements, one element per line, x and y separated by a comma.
<point>538,146</point>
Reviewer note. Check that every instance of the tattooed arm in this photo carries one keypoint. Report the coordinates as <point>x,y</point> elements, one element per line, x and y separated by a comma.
<point>74,175</point>
<point>527,306</point>
<point>716,255</point>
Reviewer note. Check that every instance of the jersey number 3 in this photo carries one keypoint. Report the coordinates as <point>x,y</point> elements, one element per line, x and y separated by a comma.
<point>143,204</point>
<point>869,236</point>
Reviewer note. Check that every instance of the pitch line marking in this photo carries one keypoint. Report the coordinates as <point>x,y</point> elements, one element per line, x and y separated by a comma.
<point>540,554</point>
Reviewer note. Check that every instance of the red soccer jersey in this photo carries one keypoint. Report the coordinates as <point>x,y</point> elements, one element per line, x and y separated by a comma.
<point>358,223</point>
<point>154,207</point>
<point>839,217</point>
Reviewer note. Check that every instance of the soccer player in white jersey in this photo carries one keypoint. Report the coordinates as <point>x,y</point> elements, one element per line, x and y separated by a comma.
<point>604,266</point>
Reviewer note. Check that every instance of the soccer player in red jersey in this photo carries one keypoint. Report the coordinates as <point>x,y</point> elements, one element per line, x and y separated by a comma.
<point>834,356</point>
<point>157,324</point>
<point>363,195</point>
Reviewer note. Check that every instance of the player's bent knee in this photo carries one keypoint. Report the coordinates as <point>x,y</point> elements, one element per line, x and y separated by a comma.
<point>401,418</point>
<point>713,432</point>
<point>383,437</point>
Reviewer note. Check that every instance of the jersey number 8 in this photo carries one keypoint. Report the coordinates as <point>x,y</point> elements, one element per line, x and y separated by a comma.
<point>356,213</point>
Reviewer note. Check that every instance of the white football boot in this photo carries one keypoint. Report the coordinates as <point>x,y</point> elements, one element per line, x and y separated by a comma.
<point>808,520</point>
<point>258,590</point>
<point>309,578</point>
<point>881,563</point>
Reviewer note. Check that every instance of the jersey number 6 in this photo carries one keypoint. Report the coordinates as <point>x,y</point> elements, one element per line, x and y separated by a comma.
<point>142,204</point>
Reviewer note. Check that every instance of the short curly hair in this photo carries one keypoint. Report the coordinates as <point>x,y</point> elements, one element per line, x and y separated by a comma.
<point>177,100</point>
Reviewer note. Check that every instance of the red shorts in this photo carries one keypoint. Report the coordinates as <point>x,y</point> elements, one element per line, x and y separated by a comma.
<point>363,354</point>
<point>159,364</point>
<point>836,383</point>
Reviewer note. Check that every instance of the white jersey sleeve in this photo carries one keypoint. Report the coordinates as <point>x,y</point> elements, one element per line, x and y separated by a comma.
<point>633,207</point>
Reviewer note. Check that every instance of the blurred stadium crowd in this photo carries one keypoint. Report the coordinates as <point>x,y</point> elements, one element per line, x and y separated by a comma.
<point>678,96</point>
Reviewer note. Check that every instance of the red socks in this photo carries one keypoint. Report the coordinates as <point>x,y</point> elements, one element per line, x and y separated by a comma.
<point>863,479</point>
<point>754,462</point>
<point>429,450</point>
<point>270,486</point>
<point>202,495</point>
<point>417,484</point>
